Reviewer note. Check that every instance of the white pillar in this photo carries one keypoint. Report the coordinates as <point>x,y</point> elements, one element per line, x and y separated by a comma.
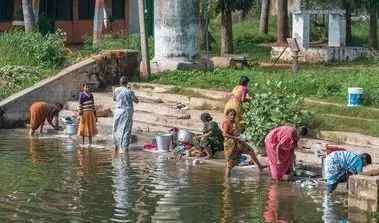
<point>337,30</point>
<point>300,29</point>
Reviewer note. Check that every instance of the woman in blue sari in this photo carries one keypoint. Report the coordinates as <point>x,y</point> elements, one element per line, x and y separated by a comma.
<point>123,115</point>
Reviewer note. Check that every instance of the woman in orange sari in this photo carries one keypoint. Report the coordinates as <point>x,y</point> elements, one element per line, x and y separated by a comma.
<point>239,95</point>
<point>87,112</point>
<point>42,111</point>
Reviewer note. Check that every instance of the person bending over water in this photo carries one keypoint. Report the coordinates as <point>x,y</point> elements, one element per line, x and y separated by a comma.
<point>87,112</point>
<point>211,140</point>
<point>233,145</point>
<point>123,115</point>
<point>280,146</point>
<point>42,111</point>
<point>341,164</point>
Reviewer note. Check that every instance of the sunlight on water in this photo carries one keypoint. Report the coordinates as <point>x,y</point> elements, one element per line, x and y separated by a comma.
<point>50,179</point>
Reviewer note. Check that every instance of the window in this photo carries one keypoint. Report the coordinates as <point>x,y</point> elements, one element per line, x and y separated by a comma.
<point>118,9</point>
<point>6,10</point>
<point>86,9</point>
<point>64,9</point>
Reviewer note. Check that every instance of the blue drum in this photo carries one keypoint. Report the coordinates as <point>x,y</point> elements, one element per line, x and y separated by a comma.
<point>355,97</point>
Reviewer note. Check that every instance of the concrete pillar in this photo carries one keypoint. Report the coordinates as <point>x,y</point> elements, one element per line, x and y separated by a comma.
<point>300,29</point>
<point>337,30</point>
<point>176,29</point>
<point>364,193</point>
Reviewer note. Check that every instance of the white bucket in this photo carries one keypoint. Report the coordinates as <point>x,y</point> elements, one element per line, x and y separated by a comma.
<point>164,142</point>
<point>355,97</point>
<point>71,129</point>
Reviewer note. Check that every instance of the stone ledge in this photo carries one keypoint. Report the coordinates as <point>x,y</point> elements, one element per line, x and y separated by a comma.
<point>60,88</point>
<point>363,192</point>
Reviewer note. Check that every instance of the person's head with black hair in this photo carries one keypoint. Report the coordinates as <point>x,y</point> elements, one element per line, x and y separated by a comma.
<point>124,81</point>
<point>206,117</point>
<point>366,159</point>
<point>244,81</point>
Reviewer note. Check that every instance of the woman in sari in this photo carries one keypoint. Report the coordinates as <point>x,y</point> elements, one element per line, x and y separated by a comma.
<point>280,148</point>
<point>123,116</point>
<point>239,95</point>
<point>212,139</point>
<point>87,112</point>
<point>42,111</point>
<point>234,147</point>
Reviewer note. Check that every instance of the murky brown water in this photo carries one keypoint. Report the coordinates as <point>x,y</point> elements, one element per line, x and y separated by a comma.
<point>47,180</point>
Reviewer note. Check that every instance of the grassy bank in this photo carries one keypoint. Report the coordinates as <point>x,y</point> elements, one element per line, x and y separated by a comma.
<point>326,84</point>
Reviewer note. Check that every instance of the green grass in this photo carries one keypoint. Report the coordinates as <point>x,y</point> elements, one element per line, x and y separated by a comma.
<point>325,83</point>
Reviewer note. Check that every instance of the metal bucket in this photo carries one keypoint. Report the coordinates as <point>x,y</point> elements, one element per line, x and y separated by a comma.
<point>185,136</point>
<point>71,129</point>
<point>164,142</point>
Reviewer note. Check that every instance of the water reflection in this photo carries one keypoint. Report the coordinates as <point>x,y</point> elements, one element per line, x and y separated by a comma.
<point>44,180</point>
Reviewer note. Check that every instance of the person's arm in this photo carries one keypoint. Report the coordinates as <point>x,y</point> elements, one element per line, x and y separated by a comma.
<point>80,107</point>
<point>226,128</point>
<point>94,107</point>
<point>53,120</point>
<point>135,99</point>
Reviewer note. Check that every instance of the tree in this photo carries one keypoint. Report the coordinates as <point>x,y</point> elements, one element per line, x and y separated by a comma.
<point>29,20</point>
<point>264,19</point>
<point>227,7</point>
<point>98,21</point>
<point>372,7</point>
<point>282,22</point>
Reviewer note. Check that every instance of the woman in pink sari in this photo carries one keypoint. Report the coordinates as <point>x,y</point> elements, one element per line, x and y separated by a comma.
<point>280,148</point>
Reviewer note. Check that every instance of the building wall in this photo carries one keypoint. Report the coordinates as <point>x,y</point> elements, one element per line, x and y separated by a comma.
<point>78,30</point>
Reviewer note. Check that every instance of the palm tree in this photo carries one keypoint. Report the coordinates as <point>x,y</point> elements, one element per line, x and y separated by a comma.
<point>29,20</point>
<point>98,21</point>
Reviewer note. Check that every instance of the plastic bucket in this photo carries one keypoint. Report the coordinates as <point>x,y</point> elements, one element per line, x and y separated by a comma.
<point>355,97</point>
<point>164,142</point>
<point>71,129</point>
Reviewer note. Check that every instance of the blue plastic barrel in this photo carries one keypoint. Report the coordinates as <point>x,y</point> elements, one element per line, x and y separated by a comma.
<point>355,97</point>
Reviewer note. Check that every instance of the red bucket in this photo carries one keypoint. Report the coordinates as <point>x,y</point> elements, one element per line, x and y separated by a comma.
<point>333,148</point>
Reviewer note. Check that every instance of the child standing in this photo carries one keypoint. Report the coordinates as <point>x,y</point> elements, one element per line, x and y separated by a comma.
<point>87,112</point>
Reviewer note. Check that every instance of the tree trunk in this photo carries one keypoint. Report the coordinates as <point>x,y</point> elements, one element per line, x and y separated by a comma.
<point>373,31</point>
<point>202,26</point>
<point>349,36</point>
<point>27,9</point>
<point>226,32</point>
<point>145,63</point>
<point>265,11</point>
<point>98,21</point>
<point>282,22</point>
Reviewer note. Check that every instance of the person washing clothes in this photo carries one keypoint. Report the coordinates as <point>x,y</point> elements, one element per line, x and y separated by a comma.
<point>280,146</point>
<point>42,111</point>
<point>87,112</point>
<point>341,164</point>
<point>211,141</point>
<point>123,115</point>
<point>234,146</point>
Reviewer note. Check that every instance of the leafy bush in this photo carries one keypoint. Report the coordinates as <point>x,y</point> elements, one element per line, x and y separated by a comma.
<point>272,109</point>
<point>32,49</point>
<point>16,78</point>
<point>112,43</point>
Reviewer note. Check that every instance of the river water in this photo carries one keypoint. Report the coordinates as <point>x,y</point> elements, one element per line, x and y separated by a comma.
<point>50,180</point>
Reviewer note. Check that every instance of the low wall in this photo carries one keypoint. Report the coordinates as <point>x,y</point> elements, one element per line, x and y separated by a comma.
<point>322,54</point>
<point>64,86</point>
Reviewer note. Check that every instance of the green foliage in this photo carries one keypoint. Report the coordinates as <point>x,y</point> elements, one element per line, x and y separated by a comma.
<point>17,78</point>
<point>32,49</point>
<point>234,5</point>
<point>271,109</point>
<point>318,81</point>
<point>111,43</point>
